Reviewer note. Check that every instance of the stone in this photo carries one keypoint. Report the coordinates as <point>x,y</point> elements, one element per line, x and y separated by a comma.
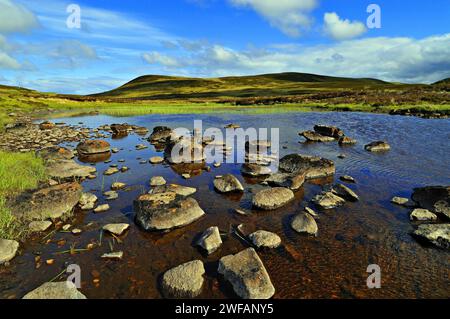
<point>113,255</point>
<point>184,150</point>
<point>232,126</point>
<point>304,223</point>
<point>316,137</point>
<point>161,134</point>
<point>47,203</point>
<point>345,192</point>
<point>66,169</point>
<point>247,274</point>
<point>118,186</point>
<point>46,125</point>
<point>165,211</point>
<point>328,200</point>
<point>111,171</point>
<point>400,201</point>
<point>56,153</point>
<point>87,201</point>
<point>436,234</point>
<point>178,189</point>
<point>292,181</point>
<point>157,181</point>
<point>345,140</point>
<point>422,214</point>
<point>56,290</point>
<point>311,166</point>
<point>262,238</point>
<point>347,178</point>
<point>210,240</point>
<point>272,198</point>
<point>156,160</point>
<point>116,229</point>
<point>378,146</point>
<point>255,170</point>
<point>184,281</point>
<point>141,147</point>
<point>66,227</point>
<point>186,176</point>
<point>327,130</point>
<point>101,208</point>
<point>111,195</point>
<point>76,231</point>
<point>90,147</point>
<point>39,226</point>
<point>311,212</point>
<point>120,129</point>
<point>434,198</point>
<point>228,183</point>
<point>8,250</point>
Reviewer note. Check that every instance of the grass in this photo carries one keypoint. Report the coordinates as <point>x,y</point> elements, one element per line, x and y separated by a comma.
<point>18,172</point>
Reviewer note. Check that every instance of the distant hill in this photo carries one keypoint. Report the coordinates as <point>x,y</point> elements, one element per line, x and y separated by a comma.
<point>444,81</point>
<point>279,84</point>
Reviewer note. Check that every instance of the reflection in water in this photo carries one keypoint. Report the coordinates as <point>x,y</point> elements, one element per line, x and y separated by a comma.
<point>94,158</point>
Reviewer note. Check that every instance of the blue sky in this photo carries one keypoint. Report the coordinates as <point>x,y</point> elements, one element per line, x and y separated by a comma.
<point>120,40</point>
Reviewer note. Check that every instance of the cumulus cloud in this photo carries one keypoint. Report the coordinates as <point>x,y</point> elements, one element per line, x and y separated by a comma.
<point>340,29</point>
<point>158,58</point>
<point>7,62</point>
<point>15,18</point>
<point>290,16</point>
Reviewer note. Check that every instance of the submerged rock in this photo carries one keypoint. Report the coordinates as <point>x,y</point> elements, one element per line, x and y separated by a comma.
<point>316,137</point>
<point>436,234</point>
<point>116,229</point>
<point>8,250</point>
<point>434,198</point>
<point>345,192</point>
<point>291,181</point>
<point>165,211</point>
<point>210,240</point>
<point>56,290</point>
<point>90,147</point>
<point>184,281</point>
<point>178,189</point>
<point>378,146</point>
<point>101,208</point>
<point>228,183</point>
<point>272,198</point>
<point>328,200</point>
<point>111,195</point>
<point>39,226</point>
<point>310,166</point>
<point>247,274</point>
<point>111,171</point>
<point>422,215</point>
<point>157,181</point>
<point>304,223</point>
<point>65,169</point>
<point>118,186</point>
<point>345,140</point>
<point>262,238</point>
<point>87,201</point>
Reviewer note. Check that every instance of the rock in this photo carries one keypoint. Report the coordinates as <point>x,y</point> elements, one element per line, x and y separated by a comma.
<point>90,147</point>
<point>161,134</point>
<point>262,238</point>
<point>101,208</point>
<point>378,146</point>
<point>157,181</point>
<point>120,129</point>
<point>437,234</point>
<point>56,290</point>
<point>184,281</point>
<point>66,227</point>
<point>118,186</point>
<point>311,166</point>
<point>76,231</point>
<point>345,192</point>
<point>111,171</point>
<point>228,183</point>
<point>39,226</point>
<point>184,150</point>
<point>156,160</point>
<point>311,212</point>
<point>331,131</point>
<point>304,223</point>
<point>46,125</point>
<point>47,203</point>
<point>141,130</point>
<point>111,195</point>
<point>255,170</point>
<point>345,140</point>
<point>400,201</point>
<point>124,169</point>
<point>247,274</point>
<point>113,255</point>
<point>165,211</point>
<point>65,169</point>
<point>328,200</point>
<point>8,250</point>
<point>347,178</point>
<point>292,181</point>
<point>241,212</point>
<point>141,147</point>
<point>116,229</point>
<point>87,201</point>
<point>272,198</point>
<point>186,176</point>
<point>342,156</point>
<point>56,153</point>
<point>210,240</point>
<point>422,214</point>
<point>316,137</point>
<point>178,189</point>
<point>232,126</point>
<point>434,198</point>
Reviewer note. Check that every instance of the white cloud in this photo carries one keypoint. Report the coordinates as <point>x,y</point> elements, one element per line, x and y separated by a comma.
<point>340,29</point>
<point>7,62</point>
<point>290,16</point>
<point>15,18</point>
<point>158,58</point>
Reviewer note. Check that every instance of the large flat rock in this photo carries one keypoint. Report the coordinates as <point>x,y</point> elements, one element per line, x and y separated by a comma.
<point>184,281</point>
<point>55,290</point>
<point>272,198</point>
<point>310,166</point>
<point>436,234</point>
<point>8,250</point>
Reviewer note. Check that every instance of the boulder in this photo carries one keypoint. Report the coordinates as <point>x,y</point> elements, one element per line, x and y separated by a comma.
<point>56,153</point>
<point>47,125</point>
<point>316,137</point>
<point>156,160</point>
<point>210,240</point>
<point>120,129</point>
<point>101,208</point>
<point>378,146</point>
<point>422,214</point>
<point>68,169</point>
<point>56,290</point>
<point>116,229</point>
<point>331,131</point>
<point>400,201</point>
<point>345,192</point>
<point>272,198</point>
<point>328,200</point>
<point>184,281</point>
<point>247,274</point>
<point>304,223</point>
<point>111,195</point>
<point>165,211</point>
<point>262,238</point>
<point>311,166</point>
<point>90,147</point>
<point>47,203</point>
<point>118,186</point>
<point>436,234</point>
<point>8,250</point>
<point>434,198</point>
<point>184,150</point>
<point>345,140</point>
<point>255,170</point>
<point>292,181</point>
<point>157,181</point>
<point>161,134</point>
<point>39,226</point>
<point>87,201</point>
<point>111,171</point>
<point>228,183</point>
